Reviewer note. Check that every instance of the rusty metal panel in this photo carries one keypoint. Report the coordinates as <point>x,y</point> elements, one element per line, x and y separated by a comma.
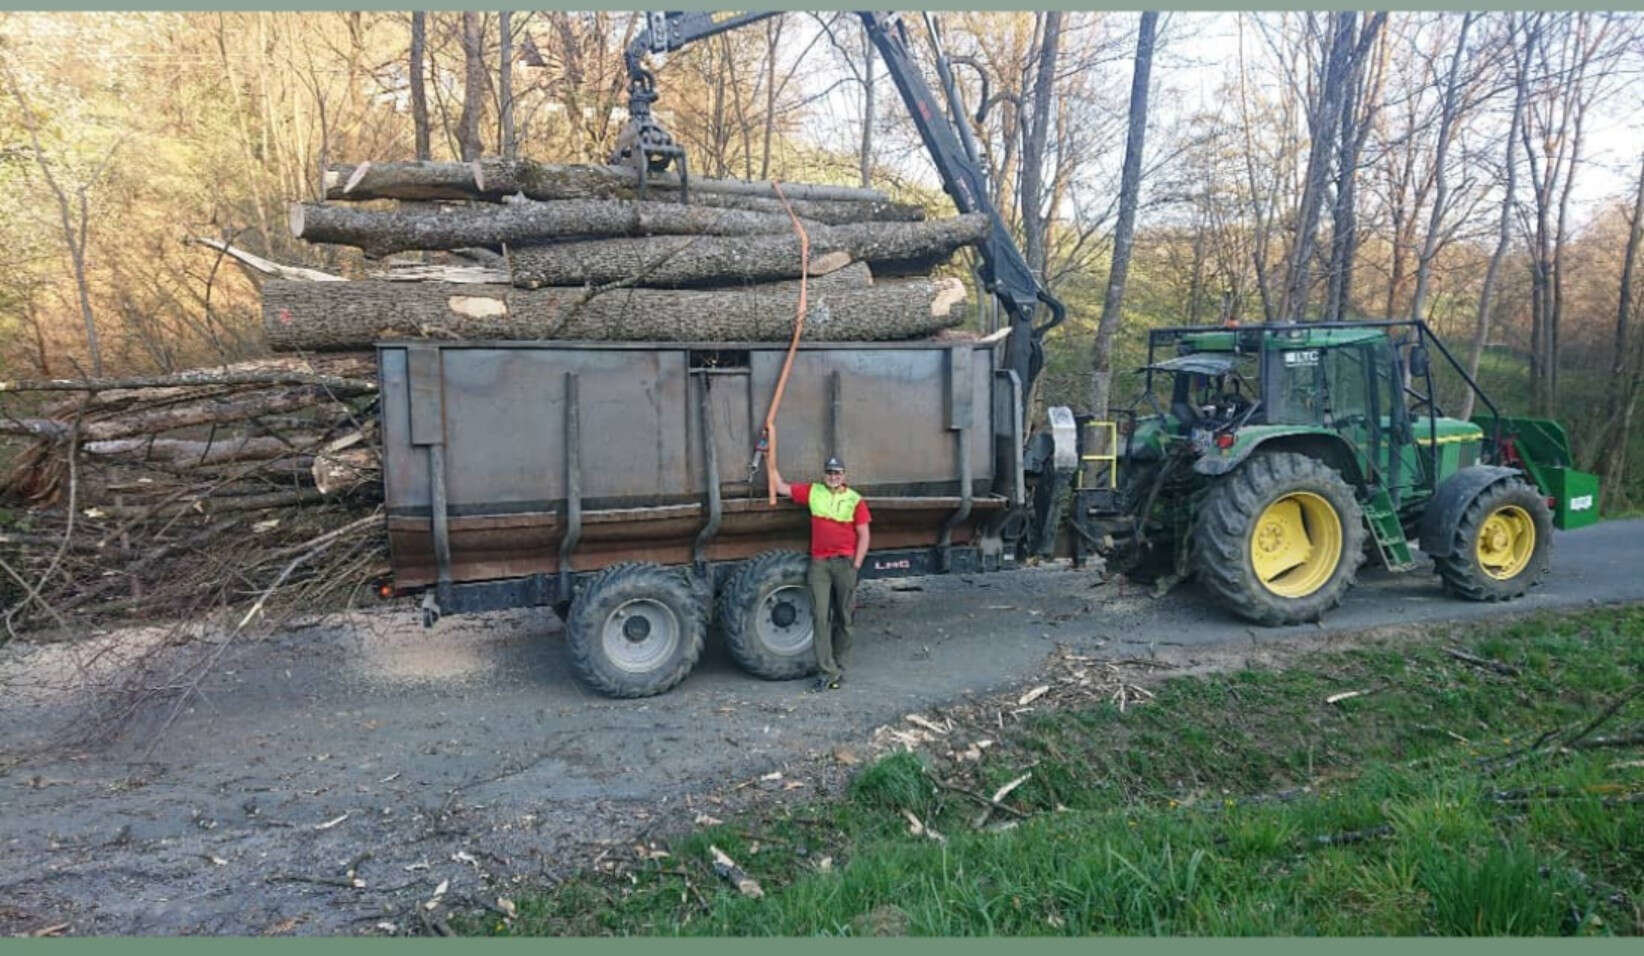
<point>892,413</point>
<point>426,390</point>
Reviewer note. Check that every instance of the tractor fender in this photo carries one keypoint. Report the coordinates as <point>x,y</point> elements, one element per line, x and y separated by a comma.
<point>1444,511</point>
<point>1326,446</point>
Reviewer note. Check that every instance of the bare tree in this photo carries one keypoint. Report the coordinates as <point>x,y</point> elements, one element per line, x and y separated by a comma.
<point>1446,130</point>
<point>1486,298</point>
<point>1035,217</point>
<point>1355,127</point>
<point>1626,365</point>
<point>505,84</point>
<point>1101,379</point>
<point>473,89</point>
<point>419,96</point>
<point>1323,119</point>
<point>76,227</point>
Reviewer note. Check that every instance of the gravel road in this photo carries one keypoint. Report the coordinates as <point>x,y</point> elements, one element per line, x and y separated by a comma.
<point>467,755</point>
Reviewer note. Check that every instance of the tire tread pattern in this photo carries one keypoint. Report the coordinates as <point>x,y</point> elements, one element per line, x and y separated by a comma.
<point>1221,536</point>
<point>737,601</point>
<point>1460,570</point>
<point>625,581</point>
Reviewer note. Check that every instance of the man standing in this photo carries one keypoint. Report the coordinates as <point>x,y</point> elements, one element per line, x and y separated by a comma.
<point>839,545</point>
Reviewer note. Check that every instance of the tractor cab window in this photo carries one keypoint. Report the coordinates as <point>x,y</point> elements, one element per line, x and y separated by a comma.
<point>1209,390</point>
<point>1346,367</point>
<point>1297,390</point>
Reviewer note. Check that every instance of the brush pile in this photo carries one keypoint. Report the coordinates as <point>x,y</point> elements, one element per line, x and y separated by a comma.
<point>174,495</point>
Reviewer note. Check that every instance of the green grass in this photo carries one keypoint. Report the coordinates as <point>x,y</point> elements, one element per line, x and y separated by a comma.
<point>1185,815</point>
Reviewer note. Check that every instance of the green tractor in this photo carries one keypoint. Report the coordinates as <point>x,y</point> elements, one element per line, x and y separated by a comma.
<point>1272,461</point>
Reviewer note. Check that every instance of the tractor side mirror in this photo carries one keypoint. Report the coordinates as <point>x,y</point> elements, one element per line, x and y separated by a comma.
<point>1419,365</point>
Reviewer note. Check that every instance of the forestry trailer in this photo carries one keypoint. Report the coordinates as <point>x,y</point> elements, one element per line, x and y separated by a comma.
<point>603,479</point>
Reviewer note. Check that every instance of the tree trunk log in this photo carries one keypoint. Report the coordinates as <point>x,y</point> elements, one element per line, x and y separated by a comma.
<point>666,262</point>
<point>830,212</point>
<point>384,233</point>
<point>209,411</point>
<point>189,453</point>
<point>301,315</point>
<point>496,178</point>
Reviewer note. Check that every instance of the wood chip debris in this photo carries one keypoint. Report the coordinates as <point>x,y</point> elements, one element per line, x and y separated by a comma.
<point>728,869</point>
<point>919,721</point>
<point>1005,790</point>
<point>1347,695</point>
<point>439,891</point>
<point>331,823</point>
<point>1033,695</point>
<point>704,820</point>
<point>917,827</point>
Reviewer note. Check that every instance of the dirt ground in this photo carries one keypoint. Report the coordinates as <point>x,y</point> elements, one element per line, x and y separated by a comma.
<point>337,777</point>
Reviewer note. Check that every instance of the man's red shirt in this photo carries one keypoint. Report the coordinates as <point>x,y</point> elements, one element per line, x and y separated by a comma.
<point>830,538</point>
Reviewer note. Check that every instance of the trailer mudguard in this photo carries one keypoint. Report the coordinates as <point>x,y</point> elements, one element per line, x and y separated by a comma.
<point>1438,522</point>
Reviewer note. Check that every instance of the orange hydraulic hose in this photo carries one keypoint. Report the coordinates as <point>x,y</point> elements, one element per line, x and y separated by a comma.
<point>769,433</point>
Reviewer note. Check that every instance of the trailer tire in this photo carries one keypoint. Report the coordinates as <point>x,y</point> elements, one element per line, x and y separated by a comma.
<point>1502,546</point>
<point>1276,508</point>
<point>634,630</point>
<point>765,616</point>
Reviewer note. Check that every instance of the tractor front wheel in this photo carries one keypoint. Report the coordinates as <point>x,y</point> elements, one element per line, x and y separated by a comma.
<point>1280,539</point>
<point>1502,545</point>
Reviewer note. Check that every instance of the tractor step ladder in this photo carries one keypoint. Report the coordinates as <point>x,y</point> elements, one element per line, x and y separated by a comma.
<point>1092,473</point>
<point>1383,520</point>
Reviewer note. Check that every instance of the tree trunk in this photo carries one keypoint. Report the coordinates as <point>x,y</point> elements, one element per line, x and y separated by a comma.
<point>1441,190</point>
<point>419,97</point>
<point>185,453</point>
<point>505,84</point>
<point>155,421</point>
<point>1326,116</point>
<point>864,155</point>
<point>1612,454</point>
<point>1344,240</point>
<point>473,87</point>
<point>1486,298</point>
<point>1101,379</point>
<point>1035,218</point>
<point>667,262</point>
<point>546,181</point>
<point>384,233</point>
<point>304,315</point>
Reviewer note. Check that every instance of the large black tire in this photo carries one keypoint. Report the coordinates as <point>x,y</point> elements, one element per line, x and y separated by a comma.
<point>1488,559</point>
<point>635,630</point>
<point>1240,522</point>
<point>765,616</point>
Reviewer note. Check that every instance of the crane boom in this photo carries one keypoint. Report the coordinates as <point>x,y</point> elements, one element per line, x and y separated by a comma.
<point>1002,268</point>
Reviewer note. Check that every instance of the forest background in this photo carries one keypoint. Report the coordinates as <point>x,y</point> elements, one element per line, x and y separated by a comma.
<point>1483,171</point>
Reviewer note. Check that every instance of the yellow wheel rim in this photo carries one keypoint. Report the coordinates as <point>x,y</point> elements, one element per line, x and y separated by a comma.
<point>1295,546</point>
<point>1505,543</point>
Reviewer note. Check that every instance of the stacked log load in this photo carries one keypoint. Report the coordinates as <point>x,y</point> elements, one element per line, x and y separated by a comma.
<point>577,252</point>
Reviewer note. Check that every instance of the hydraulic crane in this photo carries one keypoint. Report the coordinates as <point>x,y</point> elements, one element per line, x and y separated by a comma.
<point>947,137</point>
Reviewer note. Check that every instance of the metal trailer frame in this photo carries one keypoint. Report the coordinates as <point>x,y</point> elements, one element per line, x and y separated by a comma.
<point>492,505</point>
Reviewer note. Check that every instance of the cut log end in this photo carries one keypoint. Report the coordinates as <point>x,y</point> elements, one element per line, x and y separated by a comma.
<point>950,294</point>
<point>829,262</point>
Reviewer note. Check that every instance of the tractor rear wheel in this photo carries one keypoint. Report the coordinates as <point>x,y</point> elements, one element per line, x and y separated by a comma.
<point>1502,546</point>
<point>765,616</point>
<point>635,630</point>
<point>1280,539</point>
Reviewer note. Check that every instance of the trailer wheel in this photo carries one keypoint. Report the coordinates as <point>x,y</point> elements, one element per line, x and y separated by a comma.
<point>634,630</point>
<point>765,615</point>
<point>1279,539</point>
<point>1503,544</point>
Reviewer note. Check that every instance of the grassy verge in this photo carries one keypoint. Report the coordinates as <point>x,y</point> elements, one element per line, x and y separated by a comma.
<point>1500,795</point>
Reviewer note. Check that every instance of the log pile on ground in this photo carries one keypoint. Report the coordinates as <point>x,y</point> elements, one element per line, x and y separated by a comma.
<point>170,496</point>
<point>577,252</point>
